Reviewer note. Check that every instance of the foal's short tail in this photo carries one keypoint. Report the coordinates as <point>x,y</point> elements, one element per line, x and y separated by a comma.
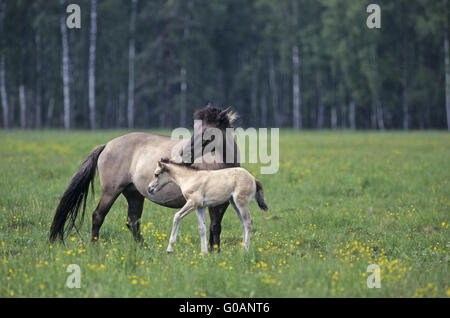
<point>75,196</point>
<point>259,196</point>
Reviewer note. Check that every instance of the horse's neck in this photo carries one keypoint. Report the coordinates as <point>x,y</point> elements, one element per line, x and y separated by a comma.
<point>181,174</point>
<point>228,149</point>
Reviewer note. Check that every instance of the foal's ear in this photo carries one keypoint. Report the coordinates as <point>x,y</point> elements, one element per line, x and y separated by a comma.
<point>160,165</point>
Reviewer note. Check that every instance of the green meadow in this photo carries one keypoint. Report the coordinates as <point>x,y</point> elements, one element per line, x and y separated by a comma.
<point>339,202</point>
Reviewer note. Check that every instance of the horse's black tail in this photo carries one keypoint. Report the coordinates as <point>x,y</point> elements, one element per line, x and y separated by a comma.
<point>75,196</point>
<point>259,196</point>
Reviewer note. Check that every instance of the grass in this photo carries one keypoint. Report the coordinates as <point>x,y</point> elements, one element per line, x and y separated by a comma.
<point>339,202</point>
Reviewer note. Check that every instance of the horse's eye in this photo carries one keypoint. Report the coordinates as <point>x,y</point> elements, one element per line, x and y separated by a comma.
<point>156,175</point>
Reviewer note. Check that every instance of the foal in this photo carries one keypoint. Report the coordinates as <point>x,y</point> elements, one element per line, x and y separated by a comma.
<point>204,188</point>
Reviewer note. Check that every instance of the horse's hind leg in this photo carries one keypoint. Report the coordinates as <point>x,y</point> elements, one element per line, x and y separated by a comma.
<point>215,228</point>
<point>135,205</point>
<point>103,207</point>
<point>241,207</point>
<point>237,212</point>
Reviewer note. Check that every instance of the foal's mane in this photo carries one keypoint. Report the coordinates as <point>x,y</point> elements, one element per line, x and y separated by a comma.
<point>181,164</point>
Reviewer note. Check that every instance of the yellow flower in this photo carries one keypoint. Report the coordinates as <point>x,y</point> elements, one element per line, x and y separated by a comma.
<point>134,281</point>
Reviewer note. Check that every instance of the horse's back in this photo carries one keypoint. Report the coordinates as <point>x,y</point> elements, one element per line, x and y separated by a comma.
<point>119,163</point>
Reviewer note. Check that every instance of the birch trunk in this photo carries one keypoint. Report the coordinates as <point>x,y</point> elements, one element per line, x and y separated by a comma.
<point>92,47</point>
<point>51,106</point>
<point>274,89</point>
<point>264,105</point>
<point>254,98</point>
<point>320,107</point>
<point>447,68</point>
<point>377,114</point>
<point>405,105</point>
<point>38,105</point>
<point>131,65</point>
<point>65,69</point>
<point>380,115</point>
<point>333,115</point>
<point>352,115</point>
<point>183,89</point>
<point>3,92</point>
<point>297,117</point>
<point>121,121</point>
<point>5,106</point>
<point>23,107</point>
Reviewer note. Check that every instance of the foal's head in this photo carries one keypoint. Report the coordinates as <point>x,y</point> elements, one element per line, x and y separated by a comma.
<point>209,117</point>
<point>160,177</point>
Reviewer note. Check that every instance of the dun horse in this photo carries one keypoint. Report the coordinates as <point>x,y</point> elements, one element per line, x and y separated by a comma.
<point>125,166</point>
<point>203,189</point>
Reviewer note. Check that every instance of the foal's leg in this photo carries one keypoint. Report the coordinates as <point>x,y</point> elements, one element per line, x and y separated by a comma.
<point>185,210</point>
<point>202,229</point>
<point>103,207</point>
<point>135,205</point>
<point>248,224</point>
<point>237,212</point>
<point>246,219</point>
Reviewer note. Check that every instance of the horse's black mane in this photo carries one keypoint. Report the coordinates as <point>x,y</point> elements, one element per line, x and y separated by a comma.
<point>181,164</point>
<point>221,118</point>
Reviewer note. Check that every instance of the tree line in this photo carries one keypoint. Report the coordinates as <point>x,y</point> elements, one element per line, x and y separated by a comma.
<point>291,63</point>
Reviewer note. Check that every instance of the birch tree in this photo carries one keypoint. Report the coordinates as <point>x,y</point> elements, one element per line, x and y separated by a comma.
<point>131,56</point>
<point>447,65</point>
<point>3,91</point>
<point>296,98</point>
<point>92,46</point>
<point>5,106</point>
<point>23,106</point>
<point>38,102</point>
<point>65,68</point>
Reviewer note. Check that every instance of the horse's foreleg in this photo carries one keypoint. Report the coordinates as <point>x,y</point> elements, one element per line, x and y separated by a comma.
<point>202,229</point>
<point>185,210</point>
<point>135,205</point>
<point>103,207</point>
<point>215,228</point>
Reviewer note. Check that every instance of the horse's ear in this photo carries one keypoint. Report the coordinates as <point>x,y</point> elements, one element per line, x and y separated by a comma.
<point>232,116</point>
<point>224,112</point>
<point>228,115</point>
<point>160,165</point>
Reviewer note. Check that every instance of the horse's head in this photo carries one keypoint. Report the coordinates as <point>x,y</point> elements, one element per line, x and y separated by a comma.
<point>206,120</point>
